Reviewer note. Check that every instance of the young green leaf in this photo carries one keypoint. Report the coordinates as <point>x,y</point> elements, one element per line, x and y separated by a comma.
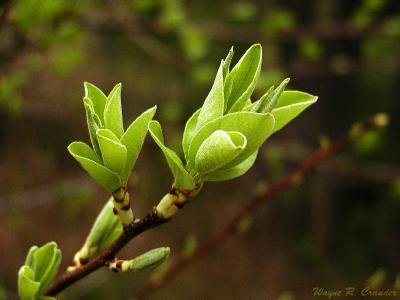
<point>243,79</point>
<point>29,256</point>
<point>53,263</point>
<point>133,139</point>
<point>27,286</point>
<point>97,97</point>
<point>182,177</point>
<point>213,106</point>
<point>258,105</point>
<point>113,112</point>
<point>104,226</point>
<point>217,150</point>
<point>290,104</point>
<point>254,126</point>
<point>189,132</point>
<point>88,160</point>
<point>233,172</point>
<point>227,62</point>
<point>113,152</point>
<point>93,123</point>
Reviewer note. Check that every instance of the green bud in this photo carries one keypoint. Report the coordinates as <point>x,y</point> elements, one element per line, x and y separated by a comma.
<point>146,261</point>
<point>41,267</point>
<point>104,231</point>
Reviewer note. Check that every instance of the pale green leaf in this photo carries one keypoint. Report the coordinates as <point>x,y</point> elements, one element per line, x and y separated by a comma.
<point>29,256</point>
<point>243,79</point>
<point>227,62</point>
<point>87,158</point>
<point>290,104</point>
<point>93,123</point>
<point>217,150</point>
<point>104,225</point>
<point>190,130</point>
<point>213,106</point>
<point>254,126</point>
<point>113,152</point>
<point>53,263</point>
<point>42,260</point>
<point>97,97</point>
<point>181,176</point>
<point>133,139</point>
<point>113,112</point>
<point>233,172</point>
<point>27,286</point>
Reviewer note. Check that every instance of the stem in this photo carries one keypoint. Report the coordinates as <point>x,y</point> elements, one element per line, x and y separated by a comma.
<point>67,279</point>
<point>122,206</point>
<point>152,220</point>
<point>183,262</point>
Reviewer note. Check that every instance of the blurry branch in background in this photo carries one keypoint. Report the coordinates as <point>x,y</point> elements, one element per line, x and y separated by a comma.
<point>184,261</point>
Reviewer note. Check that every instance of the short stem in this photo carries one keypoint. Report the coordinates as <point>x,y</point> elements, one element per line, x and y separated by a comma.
<point>82,257</point>
<point>174,200</point>
<point>122,206</point>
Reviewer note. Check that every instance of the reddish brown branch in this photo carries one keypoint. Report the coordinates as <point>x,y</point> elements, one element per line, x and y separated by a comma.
<point>149,221</point>
<point>304,167</point>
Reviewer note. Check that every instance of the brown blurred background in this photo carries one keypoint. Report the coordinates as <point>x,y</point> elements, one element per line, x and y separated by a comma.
<point>340,227</point>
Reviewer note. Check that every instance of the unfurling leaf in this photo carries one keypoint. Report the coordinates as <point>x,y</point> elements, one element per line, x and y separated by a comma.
<point>254,126</point>
<point>218,149</point>
<point>40,269</point>
<point>233,172</point>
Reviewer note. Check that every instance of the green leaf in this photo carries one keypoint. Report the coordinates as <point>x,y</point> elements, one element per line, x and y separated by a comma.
<point>53,263</point>
<point>88,160</point>
<point>113,152</point>
<point>97,97</point>
<point>234,171</point>
<point>42,260</point>
<point>227,62</point>
<point>29,256</point>
<point>190,130</point>
<point>218,149</point>
<point>269,100</point>
<point>213,106</point>
<point>104,225</point>
<point>243,79</point>
<point>93,123</point>
<point>27,286</point>
<point>290,104</point>
<point>181,176</point>
<point>113,112</point>
<point>254,126</point>
<point>133,139</point>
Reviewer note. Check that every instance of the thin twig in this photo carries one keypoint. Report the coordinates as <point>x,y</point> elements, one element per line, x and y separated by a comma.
<point>183,262</point>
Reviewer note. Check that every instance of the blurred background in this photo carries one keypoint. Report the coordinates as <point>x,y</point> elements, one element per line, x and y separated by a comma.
<point>339,227</point>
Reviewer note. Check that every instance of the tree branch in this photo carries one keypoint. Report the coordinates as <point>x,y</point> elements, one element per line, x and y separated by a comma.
<point>151,220</point>
<point>183,262</point>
